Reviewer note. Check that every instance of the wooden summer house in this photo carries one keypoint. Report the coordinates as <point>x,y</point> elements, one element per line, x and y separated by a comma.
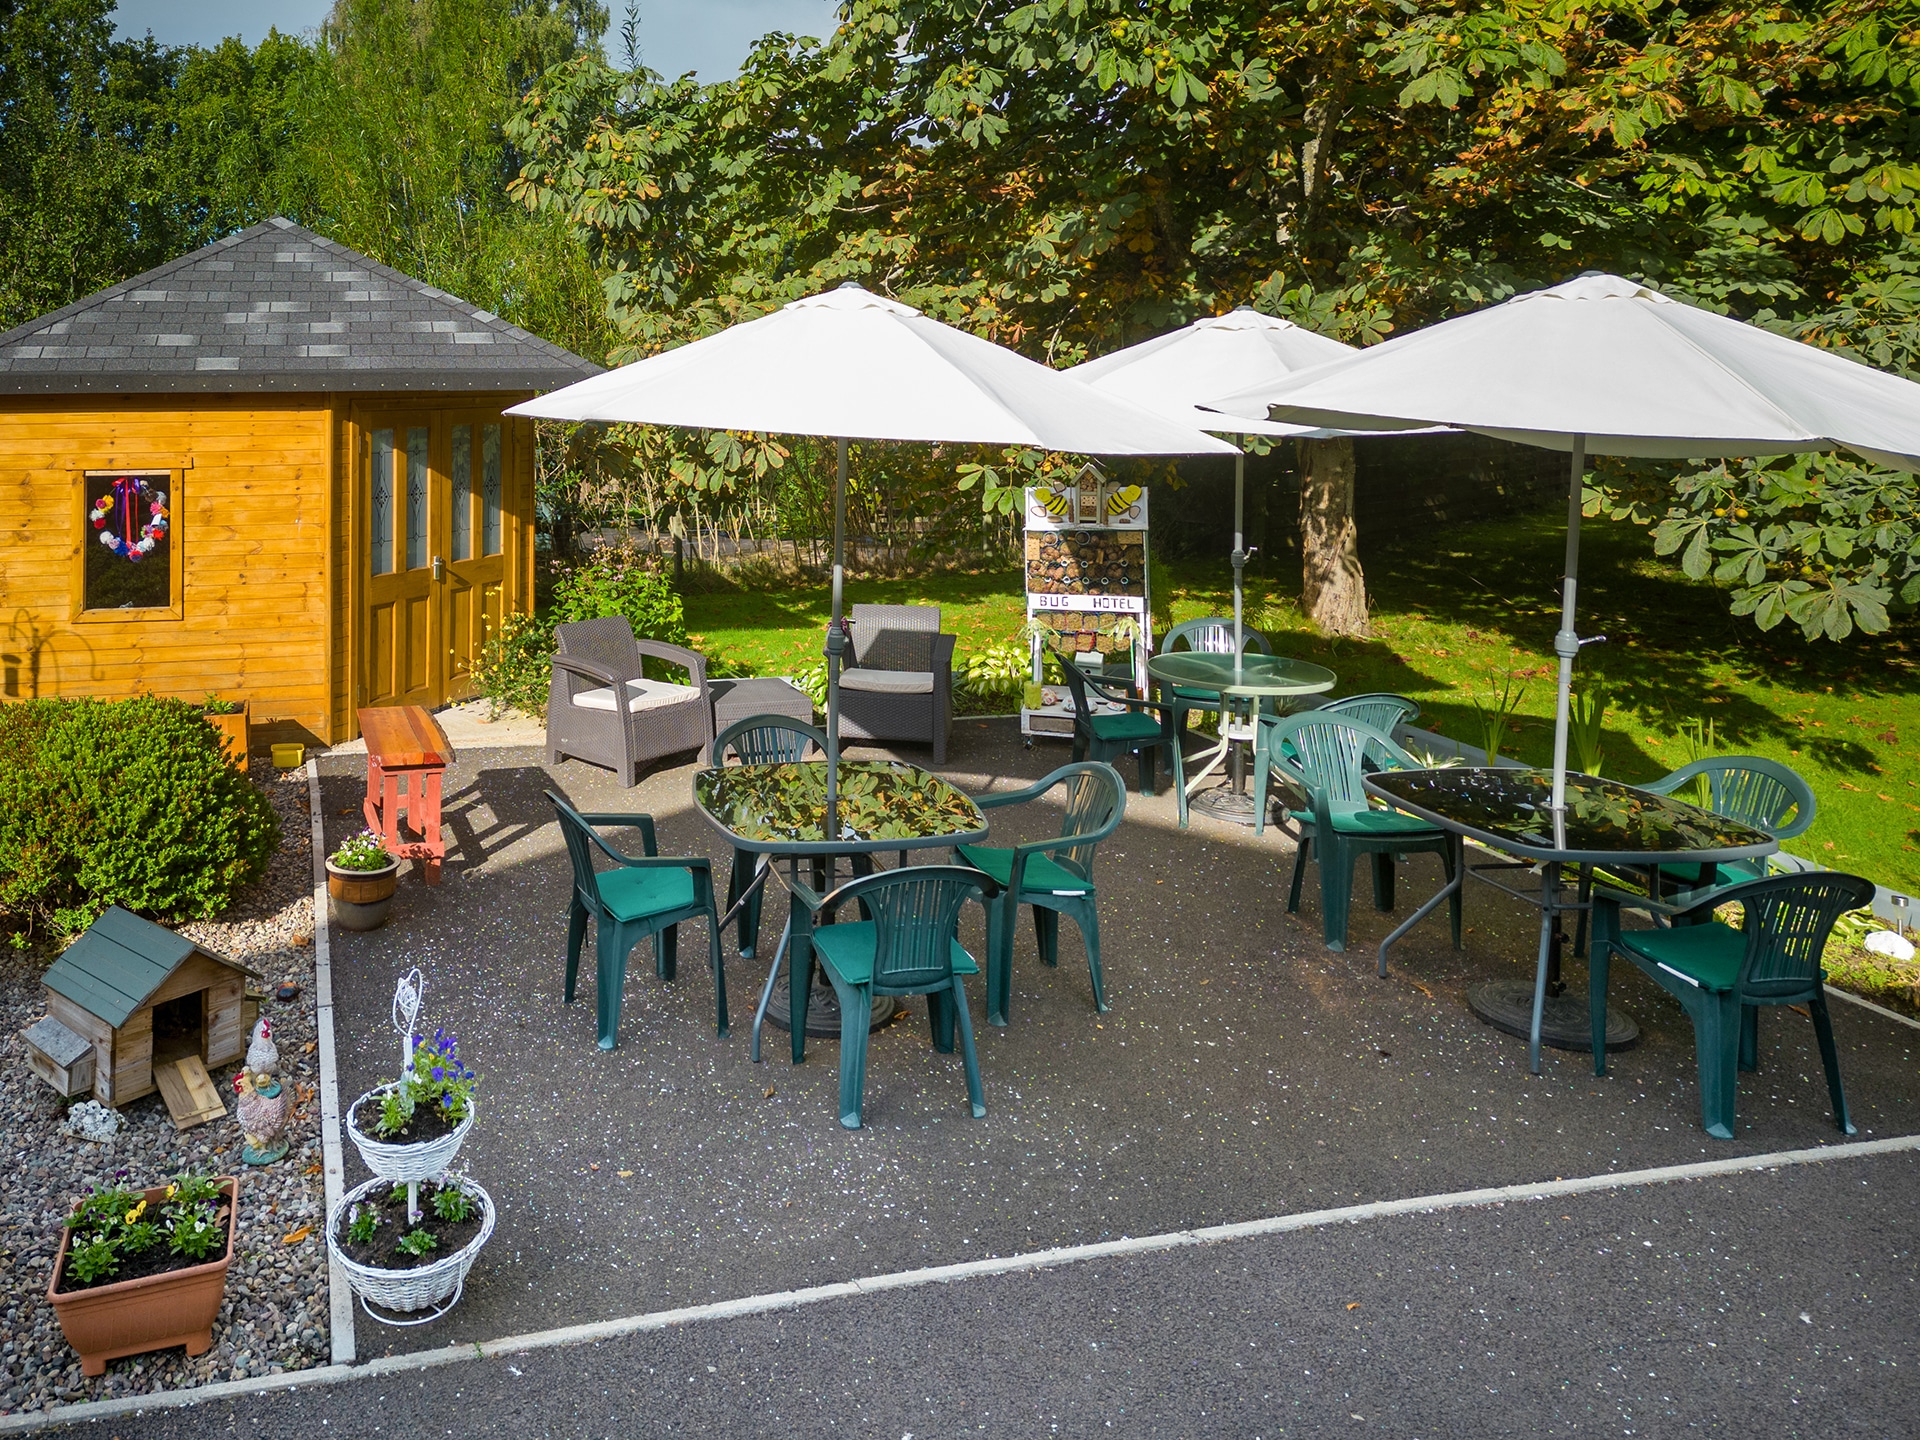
<point>139,996</point>
<point>272,469</point>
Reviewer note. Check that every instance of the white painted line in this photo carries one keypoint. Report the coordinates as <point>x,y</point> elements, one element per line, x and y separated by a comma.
<point>333,1167</point>
<point>605,1330</point>
<point>1867,1004</point>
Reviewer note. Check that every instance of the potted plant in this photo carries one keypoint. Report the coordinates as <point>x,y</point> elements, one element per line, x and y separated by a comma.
<point>361,877</point>
<point>142,1270</point>
<point>230,718</point>
<point>407,1261</point>
<point>411,1130</point>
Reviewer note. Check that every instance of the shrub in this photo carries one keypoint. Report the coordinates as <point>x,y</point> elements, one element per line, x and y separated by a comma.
<point>613,583</point>
<point>515,664</point>
<point>126,802</point>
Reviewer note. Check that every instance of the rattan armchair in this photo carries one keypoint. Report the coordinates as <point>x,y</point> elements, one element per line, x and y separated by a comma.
<point>599,659</point>
<point>900,685</point>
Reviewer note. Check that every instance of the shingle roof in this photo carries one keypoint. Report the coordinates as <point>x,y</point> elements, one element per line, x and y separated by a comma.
<point>276,307</point>
<point>121,960</point>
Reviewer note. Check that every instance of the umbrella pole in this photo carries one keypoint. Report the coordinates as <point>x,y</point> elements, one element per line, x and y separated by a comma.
<point>1566,644</point>
<point>1239,551</point>
<point>836,640</point>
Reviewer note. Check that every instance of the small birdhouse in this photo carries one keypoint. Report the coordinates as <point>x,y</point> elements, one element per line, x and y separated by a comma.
<point>139,998</point>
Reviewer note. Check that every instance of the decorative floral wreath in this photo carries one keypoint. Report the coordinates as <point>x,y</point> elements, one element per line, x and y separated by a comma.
<point>117,505</point>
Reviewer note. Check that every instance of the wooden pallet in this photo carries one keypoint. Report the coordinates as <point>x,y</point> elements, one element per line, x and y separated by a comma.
<point>189,1092</point>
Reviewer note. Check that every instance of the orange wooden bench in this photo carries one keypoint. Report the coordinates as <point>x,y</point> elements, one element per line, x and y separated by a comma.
<point>405,741</point>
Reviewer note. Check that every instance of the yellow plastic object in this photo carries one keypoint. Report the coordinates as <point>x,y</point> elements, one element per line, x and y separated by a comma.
<point>286,757</point>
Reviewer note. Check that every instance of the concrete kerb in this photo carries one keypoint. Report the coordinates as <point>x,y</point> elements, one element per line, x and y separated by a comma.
<point>333,1165</point>
<point>602,1331</point>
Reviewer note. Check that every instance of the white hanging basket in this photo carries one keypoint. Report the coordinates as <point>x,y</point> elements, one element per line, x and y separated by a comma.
<point>436,1287</point>
<point>421,1160</point>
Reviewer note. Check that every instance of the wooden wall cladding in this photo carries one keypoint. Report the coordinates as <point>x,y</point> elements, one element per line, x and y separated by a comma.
<point>250,523</point>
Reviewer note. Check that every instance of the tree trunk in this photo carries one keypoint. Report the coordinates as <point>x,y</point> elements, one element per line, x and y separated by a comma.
<point>1333,590</point>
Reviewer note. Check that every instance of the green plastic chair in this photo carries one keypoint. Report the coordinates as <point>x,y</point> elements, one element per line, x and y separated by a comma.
<point>1212,635</point>
<point>1327,756</point>
<point>1055,876</point>
<point>760,740</point>
<point>642,897</point>
<point>1752,789</point>
<point>911,946</point>
<point>1104,738</point>
<point>1382,710</point>
<point>1722,976</point>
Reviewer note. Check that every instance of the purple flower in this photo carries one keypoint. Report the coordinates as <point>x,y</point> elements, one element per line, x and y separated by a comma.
<point>446,1102</point>
<point>438,1073</point>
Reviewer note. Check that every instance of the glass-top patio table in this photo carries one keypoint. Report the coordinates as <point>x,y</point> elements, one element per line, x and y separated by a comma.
<point>1253,679</point>
<point>779,812</point>
<point>1605,824</point>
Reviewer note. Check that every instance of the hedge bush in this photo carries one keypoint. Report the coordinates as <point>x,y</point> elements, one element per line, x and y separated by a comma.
<point>515,663</point>
<point>126,802</point>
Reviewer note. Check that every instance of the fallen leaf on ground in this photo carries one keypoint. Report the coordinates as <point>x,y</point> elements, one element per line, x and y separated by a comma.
<point>294,1237</point>
<point>311,1170</point>
<point>310,1047</point>
<point>769,1094</point>
<point>596,1166</point>
<point>1354,1306</point>
<point>624,1174</point>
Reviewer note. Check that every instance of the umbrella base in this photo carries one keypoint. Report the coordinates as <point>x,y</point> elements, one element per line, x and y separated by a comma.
<point>1223,802</point>
<point>823,1010</point>
<point>1565,1021</point>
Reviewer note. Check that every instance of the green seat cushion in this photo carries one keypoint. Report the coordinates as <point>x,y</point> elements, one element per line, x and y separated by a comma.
<point>634,894</point>
<point>1131,726</point>
<point>1709,954</point>
<point>1187,692</point>
<point>849,949</point>
<point>1373,822</point>
<point>1733,874</point>
<point>1043,872</point>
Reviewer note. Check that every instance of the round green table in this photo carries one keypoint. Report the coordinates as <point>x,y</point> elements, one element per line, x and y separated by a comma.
<point>1243,685</point>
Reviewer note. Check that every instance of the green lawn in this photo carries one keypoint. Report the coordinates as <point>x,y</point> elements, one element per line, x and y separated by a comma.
<point>1452,614</point>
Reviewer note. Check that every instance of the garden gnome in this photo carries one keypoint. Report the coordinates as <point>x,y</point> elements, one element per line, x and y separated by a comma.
<point>263,1056</point>
<point>263,1116</point>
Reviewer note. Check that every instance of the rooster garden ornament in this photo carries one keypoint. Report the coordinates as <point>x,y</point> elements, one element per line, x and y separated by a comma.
<point>263,1116</point>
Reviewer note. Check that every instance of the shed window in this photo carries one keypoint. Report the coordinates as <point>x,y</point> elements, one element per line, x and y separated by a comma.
<point>130,549</point>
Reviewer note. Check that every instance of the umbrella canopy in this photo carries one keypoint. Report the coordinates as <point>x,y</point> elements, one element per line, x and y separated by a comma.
<point>853,365</point>
<point>1173,373</point>
<point>1605,365</point>
<point>1632,371</point>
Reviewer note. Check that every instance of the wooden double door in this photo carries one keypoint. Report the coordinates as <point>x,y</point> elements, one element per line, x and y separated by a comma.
<point>437,491</point>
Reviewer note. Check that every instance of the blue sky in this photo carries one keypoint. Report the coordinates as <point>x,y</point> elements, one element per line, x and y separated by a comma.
<point>708,36</point>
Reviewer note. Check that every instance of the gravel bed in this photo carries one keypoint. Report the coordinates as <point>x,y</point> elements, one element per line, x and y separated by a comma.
<point>275,1314</point>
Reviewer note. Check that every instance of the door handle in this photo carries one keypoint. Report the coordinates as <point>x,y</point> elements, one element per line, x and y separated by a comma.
<point>439,568</point>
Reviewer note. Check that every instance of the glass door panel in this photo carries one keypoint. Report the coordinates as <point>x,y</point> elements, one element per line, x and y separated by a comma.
<point>402,620</point>
<point>476,572</point>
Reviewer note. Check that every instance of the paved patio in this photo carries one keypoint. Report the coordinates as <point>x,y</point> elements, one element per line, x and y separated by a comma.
<point>1243,1072</point>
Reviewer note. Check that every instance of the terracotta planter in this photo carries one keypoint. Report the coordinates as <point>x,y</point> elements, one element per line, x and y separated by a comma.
<point>360,899</point>
<point>130,1317</point>
<point>233,729</point>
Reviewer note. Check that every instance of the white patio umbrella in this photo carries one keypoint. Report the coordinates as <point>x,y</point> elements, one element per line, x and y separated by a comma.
<point>1175,372</point>
<point>853,365</point>
<point>1605,366</point>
